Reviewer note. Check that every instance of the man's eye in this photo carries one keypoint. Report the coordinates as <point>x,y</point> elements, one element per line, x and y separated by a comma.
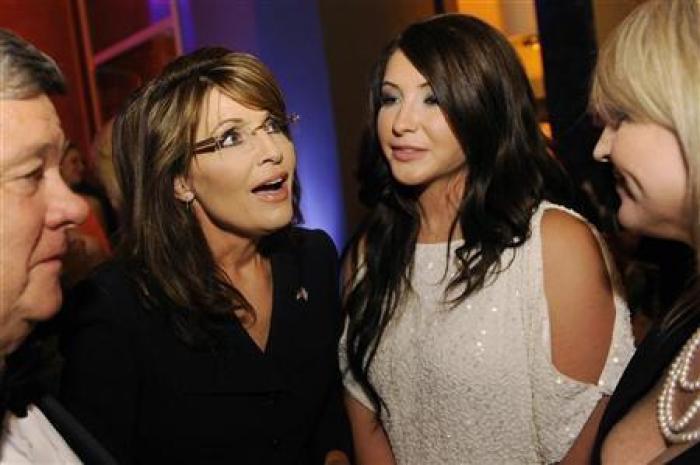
<point>36,175</point>
<point>230,138</point>
<point>31,181</point>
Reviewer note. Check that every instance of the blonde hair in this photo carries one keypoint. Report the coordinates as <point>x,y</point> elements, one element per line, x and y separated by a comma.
<point>649,71</point>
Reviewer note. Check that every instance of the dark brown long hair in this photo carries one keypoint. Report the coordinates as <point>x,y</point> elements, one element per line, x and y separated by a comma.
<point>163,243</point>
<point>485,96</point>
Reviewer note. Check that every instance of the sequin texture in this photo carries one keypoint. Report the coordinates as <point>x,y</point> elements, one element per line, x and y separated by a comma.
<point>475,384</point>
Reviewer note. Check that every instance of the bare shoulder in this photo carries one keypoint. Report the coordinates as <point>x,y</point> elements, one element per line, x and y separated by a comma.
<point>579,295</point>
<point>571,254</point>
<point>566,236</point>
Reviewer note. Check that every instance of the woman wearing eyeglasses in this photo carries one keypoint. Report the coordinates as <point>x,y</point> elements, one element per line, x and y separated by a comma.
<point>211,339</point>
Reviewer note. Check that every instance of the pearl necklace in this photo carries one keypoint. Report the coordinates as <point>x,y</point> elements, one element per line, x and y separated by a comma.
<point>677,379</point>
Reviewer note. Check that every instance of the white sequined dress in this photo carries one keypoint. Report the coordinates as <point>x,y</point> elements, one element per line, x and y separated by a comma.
<point>475,384</point>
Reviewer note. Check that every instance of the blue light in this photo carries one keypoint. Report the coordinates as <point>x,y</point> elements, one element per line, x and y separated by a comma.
<point>287,36</point>
<point>158,9</point>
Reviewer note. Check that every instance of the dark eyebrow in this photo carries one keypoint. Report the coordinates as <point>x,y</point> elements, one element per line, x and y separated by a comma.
<point>238,122</point>
<point>234,121</point>
<point>391,84</point>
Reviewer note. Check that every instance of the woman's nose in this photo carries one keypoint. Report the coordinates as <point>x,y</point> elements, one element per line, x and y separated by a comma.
<point>271,151</point>
<point>405,120</point>
<point>603,148</point>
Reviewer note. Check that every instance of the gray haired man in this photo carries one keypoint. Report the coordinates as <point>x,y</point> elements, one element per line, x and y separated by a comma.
<point>36,209</point>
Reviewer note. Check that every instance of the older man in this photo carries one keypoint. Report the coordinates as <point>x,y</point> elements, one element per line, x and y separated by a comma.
<point>36,208</point>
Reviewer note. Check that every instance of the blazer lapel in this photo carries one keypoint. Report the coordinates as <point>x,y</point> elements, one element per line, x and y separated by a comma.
<point>288,308</point>
<point>78,438</point>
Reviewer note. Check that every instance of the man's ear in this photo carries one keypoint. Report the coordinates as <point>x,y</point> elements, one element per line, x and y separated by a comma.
<point>183,192</point>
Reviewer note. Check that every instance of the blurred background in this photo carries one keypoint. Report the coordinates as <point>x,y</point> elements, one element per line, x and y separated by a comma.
<point>321,52</point>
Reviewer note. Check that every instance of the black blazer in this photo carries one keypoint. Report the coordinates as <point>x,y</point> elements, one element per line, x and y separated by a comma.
<point>648,364</point>
<point>149,398</point>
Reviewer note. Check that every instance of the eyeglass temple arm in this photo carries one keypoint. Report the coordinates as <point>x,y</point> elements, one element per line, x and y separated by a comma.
<point>205,146</point>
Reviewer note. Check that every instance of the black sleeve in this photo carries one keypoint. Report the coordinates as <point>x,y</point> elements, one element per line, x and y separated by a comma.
<point>333,432</point>
<point>99,383</point>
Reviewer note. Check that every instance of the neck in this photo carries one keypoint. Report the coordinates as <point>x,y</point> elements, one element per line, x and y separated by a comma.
<point>236,255</point>
<point>232,252</point>
<point>439,205</point>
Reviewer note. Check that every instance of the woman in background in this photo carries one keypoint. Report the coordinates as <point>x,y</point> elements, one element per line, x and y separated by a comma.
<point>103,165</point>
<point>212,337</point>
<point>483,323</point>
<point>88,243</point>
<point>73,172</point>
<point>646,89</point>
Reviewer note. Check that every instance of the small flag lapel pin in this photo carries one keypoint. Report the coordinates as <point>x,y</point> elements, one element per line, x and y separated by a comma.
<point>302,295</point>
